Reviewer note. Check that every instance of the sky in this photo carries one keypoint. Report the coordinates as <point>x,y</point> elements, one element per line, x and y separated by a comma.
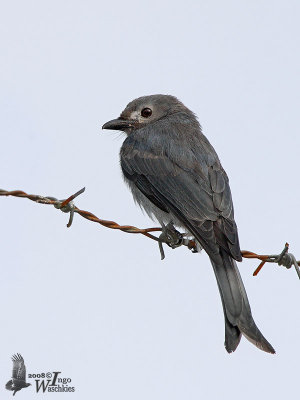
<point>98,305</point>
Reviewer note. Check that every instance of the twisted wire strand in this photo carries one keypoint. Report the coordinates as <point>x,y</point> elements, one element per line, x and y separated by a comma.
<point>67,205</point>
<point>63,206</point>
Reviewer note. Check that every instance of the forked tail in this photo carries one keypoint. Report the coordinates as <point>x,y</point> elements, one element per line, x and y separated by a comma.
<point>237,311</point>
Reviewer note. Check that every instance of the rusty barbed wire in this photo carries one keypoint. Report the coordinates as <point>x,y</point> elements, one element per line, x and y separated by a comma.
<point>169,235</point>
<point>284,258</point>
<point>68,206</point>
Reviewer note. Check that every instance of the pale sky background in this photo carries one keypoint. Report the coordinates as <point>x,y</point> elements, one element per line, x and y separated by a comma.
<point>98,304</point>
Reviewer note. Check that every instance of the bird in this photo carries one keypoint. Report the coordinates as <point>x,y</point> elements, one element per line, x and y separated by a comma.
<point>176,177</point>
<point>18,380</point>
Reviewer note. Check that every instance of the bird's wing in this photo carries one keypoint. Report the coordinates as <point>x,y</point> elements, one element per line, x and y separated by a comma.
<point>199,196</point>
<point>19,369</point>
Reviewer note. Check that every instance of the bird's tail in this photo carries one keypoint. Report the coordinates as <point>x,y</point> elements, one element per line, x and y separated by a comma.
<point>237,311</point>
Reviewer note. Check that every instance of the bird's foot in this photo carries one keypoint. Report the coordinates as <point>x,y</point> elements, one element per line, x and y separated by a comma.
<point>173,238</point>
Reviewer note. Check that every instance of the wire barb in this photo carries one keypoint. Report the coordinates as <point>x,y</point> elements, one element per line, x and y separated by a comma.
<point>169,235</point>
<point>284,259</point>
<point>68,206</point>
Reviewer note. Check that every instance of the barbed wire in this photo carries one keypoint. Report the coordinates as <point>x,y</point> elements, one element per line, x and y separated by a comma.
<point>169,235</point>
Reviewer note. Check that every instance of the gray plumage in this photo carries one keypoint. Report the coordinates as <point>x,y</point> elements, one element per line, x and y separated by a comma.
<point>175,174</point>
<point>18,380</point>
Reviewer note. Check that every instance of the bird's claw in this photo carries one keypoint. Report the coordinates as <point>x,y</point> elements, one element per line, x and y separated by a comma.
<point>170,236</point>
<point>173,238</point>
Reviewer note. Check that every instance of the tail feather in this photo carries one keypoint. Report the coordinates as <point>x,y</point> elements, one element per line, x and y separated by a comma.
<point>232,336</point>
<point>237,311</point>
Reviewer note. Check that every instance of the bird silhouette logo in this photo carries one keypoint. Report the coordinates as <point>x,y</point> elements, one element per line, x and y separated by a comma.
<point>18,380</point>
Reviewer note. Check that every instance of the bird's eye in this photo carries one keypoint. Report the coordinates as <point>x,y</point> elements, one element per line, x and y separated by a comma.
<point>146,112</point>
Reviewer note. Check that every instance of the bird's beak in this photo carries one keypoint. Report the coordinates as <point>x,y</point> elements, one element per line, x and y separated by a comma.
<point>118,124</point>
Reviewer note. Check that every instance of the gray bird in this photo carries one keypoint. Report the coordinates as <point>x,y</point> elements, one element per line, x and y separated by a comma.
<point>175,175</point>
<point>18,380</point>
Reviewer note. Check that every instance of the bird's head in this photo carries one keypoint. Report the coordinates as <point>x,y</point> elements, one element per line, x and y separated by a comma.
<point>146,110</point>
